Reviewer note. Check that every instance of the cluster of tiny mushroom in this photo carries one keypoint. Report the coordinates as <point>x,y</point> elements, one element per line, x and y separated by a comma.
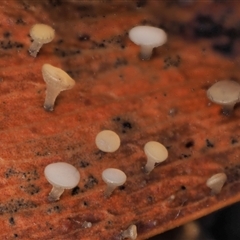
<point>62,175</point>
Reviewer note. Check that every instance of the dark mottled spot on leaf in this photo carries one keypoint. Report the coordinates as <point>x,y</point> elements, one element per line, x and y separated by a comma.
<point>75,190</point>
<point>127,125</point>
<point>209,144</point>
<point>189,144</point>
<point>206,27</point>
<point>141,3</point>
<point>84,37</point>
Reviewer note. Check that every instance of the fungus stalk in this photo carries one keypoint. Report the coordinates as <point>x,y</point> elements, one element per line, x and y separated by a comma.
<point>109,190</point>
<point>35,48</point>
<point>130,232</point>
<point>227,109</point>
<point>51,94</point>
<point>225,93</point>
<point>61,176</point>
<point>41,34</point>
<point>113,178</point>
<point>216,182</point>
<point>55,193</point>
<point>155,153</point>
<point>147,38</point>
<point>57,81</point>
<point>149,165</point>
<point>146,52</point>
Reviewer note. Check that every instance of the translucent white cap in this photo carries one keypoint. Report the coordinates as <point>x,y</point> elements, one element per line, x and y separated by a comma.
<point>155,151</point>
<point>224,92</point>
<point>148,35</point>
<point>131,232</point>
<point>114,176</point>
<point>107,141</point>
<point>42,33</point>
<point>62,175</point>
<point>57,77</point>
<point>216,182</point>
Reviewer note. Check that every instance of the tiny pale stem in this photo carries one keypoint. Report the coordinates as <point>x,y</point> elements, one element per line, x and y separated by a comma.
<point>34,48</point>
<point>109,189</point>
<point>51,95</point>
<point>149,166</point>
<point>227,109</point>
<point>146,52</point>
<point>131,232</point>
<point>55,193</point>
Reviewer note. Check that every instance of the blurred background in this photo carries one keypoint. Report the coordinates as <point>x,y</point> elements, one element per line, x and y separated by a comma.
<point>221,225</point>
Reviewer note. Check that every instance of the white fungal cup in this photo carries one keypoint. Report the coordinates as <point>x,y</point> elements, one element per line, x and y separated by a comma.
<point>147,38</point>
<point>61,176</point>
<point>216,182</point>
<point>113,178</point>
<point>225,93</point>
<point>57,81</point>
<point>41,34</point>
<point>155,153</point>
<point>107,141</point>
<point>130,232</point>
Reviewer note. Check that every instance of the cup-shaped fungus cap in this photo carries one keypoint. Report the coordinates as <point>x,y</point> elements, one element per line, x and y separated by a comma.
<point>61,176</point>
<point>225,93</point>
<point>113,178</point>
<point>41,34</point>
<point>107,141</point>
<point>216,182</point>
<point>155,153</point>
<point>57,80</point>
<point>148,38</point>
<point>130,232</point>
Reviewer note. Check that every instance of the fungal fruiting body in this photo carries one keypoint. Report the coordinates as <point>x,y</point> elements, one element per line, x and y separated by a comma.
<point>113,178</point>
<point>57,81</point>
<point>148,38</point>
<point>87,224</point>
<point>155,153</point>
<point>216,182</point>
<point>41,34</point>
<point>130,232</point>
<point>61,176</point>
<point>225,93</point>
<point>107,141</point>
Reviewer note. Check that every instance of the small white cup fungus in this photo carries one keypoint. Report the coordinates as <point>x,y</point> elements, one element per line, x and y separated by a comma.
<point>57,81</point>
<point>130,232</point>
<point>155,153</point>
<point>216,182</point>
<point>62,176</point>
<point>87,224</point>
<point>113,178</point>
<point>107,141</point>
<point>41,34</point>
<point>225,93</point>
<point>148,38</point>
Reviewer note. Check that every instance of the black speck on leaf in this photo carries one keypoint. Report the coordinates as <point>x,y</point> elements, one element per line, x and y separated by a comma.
<point>6,34</point>
<point>183,187</point>
<point>84,164</point>
<point>55,3</point>
<point>206,27</point>
<point>234,141</point>
<point>11,221</point>
<point>84,37</point>
<point>189,144</point>
<point>75,190</point>
<point>127,125</point>
<point>141,3</point>
<point>209,144</point>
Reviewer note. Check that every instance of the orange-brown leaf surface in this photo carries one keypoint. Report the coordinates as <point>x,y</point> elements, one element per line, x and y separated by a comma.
<point>163,99</point>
